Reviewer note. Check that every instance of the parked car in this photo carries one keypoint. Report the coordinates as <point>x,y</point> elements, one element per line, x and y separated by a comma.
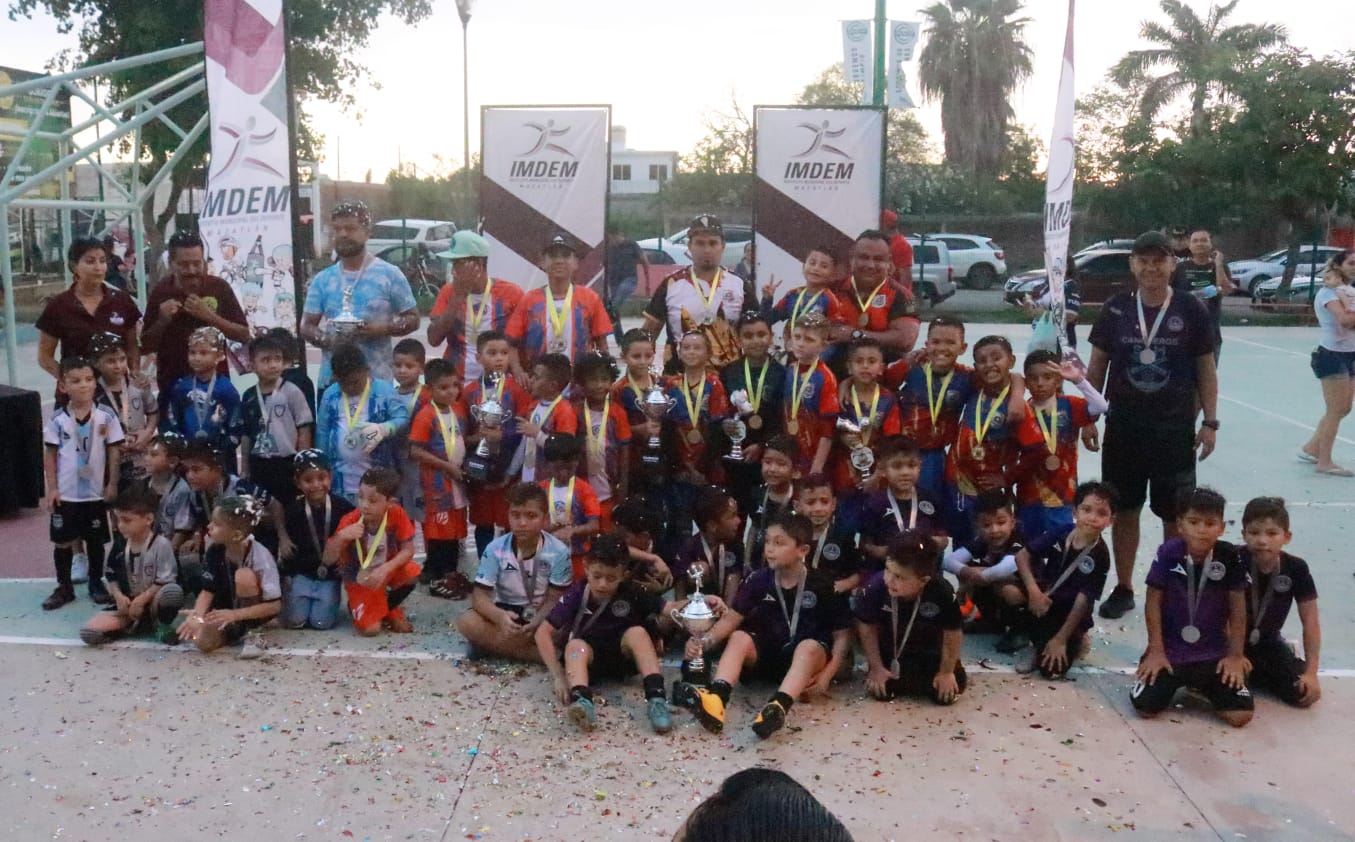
<point>1250,274</point>
<point>434,233</point>
<point>1300,289</point>
<point>978,261</point>
<point>1100,274</point>
<point>658,257</point>
<point>933,273</point>
<point>736,237</point>
<point>425,271</point>
<point>1102,245</point>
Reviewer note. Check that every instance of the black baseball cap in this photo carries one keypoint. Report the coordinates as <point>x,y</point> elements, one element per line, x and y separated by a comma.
<point>1178,231</point>
<point>561,242</point>
<point>1152,241</point>
<point>707,223</point>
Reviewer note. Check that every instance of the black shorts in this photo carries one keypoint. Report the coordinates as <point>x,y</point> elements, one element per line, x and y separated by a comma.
<point>276,475</point>
<point>1276,669</point>
<point>1136,456</point>
<point>1204,677</point>
<point>917,670</point>
<point>609,662</point>
<point>1043,629</point>
<point>774,657</point>
<point>1327,363</point>
<point>79,521</point>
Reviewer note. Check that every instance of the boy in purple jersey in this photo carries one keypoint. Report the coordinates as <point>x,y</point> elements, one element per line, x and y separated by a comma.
<point>1196,613</point>
<point>901,505</point>
<point>1064,574</point>
<point>1278,582</point>
<point>714,549</point>
<point>986,570</point>
<point>787,624</point>
<point>601,628</point>
<point>910,625</point>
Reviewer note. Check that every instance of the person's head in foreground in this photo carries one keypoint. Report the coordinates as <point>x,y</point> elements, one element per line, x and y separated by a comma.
<point>761,804</point>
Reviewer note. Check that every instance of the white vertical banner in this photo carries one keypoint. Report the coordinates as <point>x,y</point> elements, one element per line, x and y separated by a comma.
<point>246,219</point>
<point>856,55</point>
<point>545,172</point>
<point>817,183</point>
<point>903,37</point>
<point>1058,202</point>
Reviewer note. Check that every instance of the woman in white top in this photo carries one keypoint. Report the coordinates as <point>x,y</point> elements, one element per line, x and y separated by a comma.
<point>1333,360</point>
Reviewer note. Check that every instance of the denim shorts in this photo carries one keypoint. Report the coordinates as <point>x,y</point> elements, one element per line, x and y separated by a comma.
<point>1328,363</point>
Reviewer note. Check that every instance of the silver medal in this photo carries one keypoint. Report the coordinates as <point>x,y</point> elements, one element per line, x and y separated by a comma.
<point>1255,637</point>
<point>1283,583</point>
<point>896,668</point>
<point>1215,571</point>
<point>1147,356</point>
<point>1190,634</point>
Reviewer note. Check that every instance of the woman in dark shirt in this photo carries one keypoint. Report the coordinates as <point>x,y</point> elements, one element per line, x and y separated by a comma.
<point>88,306</point>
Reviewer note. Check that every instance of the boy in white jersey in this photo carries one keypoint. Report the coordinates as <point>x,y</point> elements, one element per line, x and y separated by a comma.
<point>80,464</point>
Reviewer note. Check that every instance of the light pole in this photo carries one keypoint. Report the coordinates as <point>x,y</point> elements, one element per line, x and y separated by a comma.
<point>463,8</point>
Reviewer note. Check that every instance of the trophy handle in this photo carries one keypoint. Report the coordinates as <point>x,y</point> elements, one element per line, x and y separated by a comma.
<point>475,411</point>
<point>677,617</point>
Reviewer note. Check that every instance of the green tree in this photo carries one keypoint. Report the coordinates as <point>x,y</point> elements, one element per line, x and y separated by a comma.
<point>906,140</point>
<point>1201,57</point>
<point>974,58</point>
<point>325,35</point>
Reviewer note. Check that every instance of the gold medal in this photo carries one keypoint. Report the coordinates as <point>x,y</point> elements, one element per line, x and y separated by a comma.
<point>863,320</point>
<point>977,452</point>
<point>793,427</point>
<point>1053,463</point>
<point>694,437</point>
<point>755,421</point>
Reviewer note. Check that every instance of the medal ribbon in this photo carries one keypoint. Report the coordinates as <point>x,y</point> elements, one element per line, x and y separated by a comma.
<point>936,400</point>
<point>1260,604</point>
<point>792,620</point>
<point>569,502</point>
<point>693,405</point>
<point>635,387</point>
<point>1195,585</point>
<point>373,545</point>
<point>352,416</point>
<point>714,290</point>
<point>907,632</point>
<point>866,419</point>
<point>801,306</point>
<point>539,418</point>
<point>818,548</point>
<point>1069,568</point>
<point>865,305</point>
<point>981,426</point>
<point>556,316</point>
<point>575,631</point>
<point>1150,335</point>
<point>448,431</point>
<point>310,524</point>
<point>898,514</point>
<point>716,559</point>
<point>596,440</point>
<point>755,397</point>
<point>477,317</point>
<point>797,389</point>
<point>529,589</point>
<point>200,408</point>
<point>1049,426</point>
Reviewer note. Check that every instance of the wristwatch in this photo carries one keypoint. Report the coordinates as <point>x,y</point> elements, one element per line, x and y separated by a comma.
<point>857,334</point>
<point>1211,423</point>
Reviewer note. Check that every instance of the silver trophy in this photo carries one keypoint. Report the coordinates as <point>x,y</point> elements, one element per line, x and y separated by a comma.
<point>347,321</point>
<point>738,429</point>
<point>490,413</point>
<point>861,457</point>
<point>697,618</point>
<point>655,405</point>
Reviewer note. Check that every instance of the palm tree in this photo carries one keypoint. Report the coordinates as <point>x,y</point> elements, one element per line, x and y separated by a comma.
<point>1202,56</point>
<point>974,58</point>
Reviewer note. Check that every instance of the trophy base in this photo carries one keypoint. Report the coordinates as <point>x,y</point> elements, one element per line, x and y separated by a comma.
<point>696,672</point>
<point>477,470</point>
<point>652,459</point>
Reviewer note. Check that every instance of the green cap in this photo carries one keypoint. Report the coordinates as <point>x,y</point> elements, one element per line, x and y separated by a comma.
<point>466,244</point>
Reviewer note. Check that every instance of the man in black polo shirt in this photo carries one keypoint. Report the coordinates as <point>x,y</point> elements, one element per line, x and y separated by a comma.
<point>1158,346</point>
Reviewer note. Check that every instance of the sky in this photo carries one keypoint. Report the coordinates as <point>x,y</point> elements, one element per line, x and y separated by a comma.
<point>662,67</point>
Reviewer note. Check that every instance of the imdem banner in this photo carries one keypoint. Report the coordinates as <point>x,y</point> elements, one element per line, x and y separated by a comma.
<point>818,183</point>
<point>246,220</point>
<point>545,172</point>
<point>1058,203</point>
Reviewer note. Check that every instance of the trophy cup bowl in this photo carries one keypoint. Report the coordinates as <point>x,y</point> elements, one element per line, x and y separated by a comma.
<point>697,618</point>
<point>863,460</point>
<point>852,430</point>
<point>489,414</point>
<point>739,433</point>
<point>656,405</point>
<point>346,321</point>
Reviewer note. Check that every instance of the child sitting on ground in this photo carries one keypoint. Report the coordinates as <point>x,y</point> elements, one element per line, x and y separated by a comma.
<point>374,549</point>
<point>521,576</point>
<point>1278,580</point>
<point>910,625</point>
<point>312,518</point>
<point>1196,615</point>
<point>1064,572</point>
<point>638,526</point>
<point>141,577</point>
<point>240,587</point>
<point>987,572</point>
<point>600,628</point>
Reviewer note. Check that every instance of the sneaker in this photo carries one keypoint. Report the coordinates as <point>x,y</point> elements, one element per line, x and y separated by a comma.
<point>770,720</point>
<point>583,714</point>
<point>167,634</point>
<point>1012,641</point>
<point>684,695</point>
<point>460,585</point>
<point>252,648</point>
<point>63,595</point>
<point>170,599</point>
<point>1025,662</point>
<point>709,710</point>
<point>98,592</point>
<point>659,715</point>
<point>93,637</point>
<point>969,612</point>
<point>1120,602</point>
<point>79,569</point>
<point>397,622</point>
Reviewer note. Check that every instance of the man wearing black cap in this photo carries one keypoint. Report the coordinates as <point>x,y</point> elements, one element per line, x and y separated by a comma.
<point>1179,241</point>
<point>560,317</point>
<point>699,295</point>
<point>1159,349</point>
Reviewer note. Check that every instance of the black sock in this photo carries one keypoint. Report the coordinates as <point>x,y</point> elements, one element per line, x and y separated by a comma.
<point>95,552</point>
<point>483,535</point>
<point>653,686</point>
<point>786,701</point>
<point>62,556</point>
<point>1015,618</point>
<point>395,596</point>
<point>441,558</point>
<point>582,691</point>
<point>721,688</point>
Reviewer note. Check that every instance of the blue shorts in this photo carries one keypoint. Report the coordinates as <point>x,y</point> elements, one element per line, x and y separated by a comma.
<point>1036,519</point>
<point>933,476</point>
<point>1326,363</point>
<point>958,515</point>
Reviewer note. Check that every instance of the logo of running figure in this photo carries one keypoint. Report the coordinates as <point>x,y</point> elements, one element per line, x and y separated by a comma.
<point>544,139</point>
<point>821,134</point>
<point>244,139</point>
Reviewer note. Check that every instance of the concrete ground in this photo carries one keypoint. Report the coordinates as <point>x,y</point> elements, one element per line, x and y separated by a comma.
<point>336,737</point>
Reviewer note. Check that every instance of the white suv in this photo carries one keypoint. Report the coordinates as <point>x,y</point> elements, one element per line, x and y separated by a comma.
<point>979,262</point>
<point>933,274</point>
<point>434,233</point>
<point>736,237</point>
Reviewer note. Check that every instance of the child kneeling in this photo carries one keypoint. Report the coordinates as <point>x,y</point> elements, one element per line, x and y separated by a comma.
<point>910,625</point>
<point>601,628</point>
<point>787,624</point>
<point>141,576</point>
<point>374,548</point>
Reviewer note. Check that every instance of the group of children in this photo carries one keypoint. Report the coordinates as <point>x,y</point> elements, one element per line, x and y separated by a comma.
<point>599,501</point>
